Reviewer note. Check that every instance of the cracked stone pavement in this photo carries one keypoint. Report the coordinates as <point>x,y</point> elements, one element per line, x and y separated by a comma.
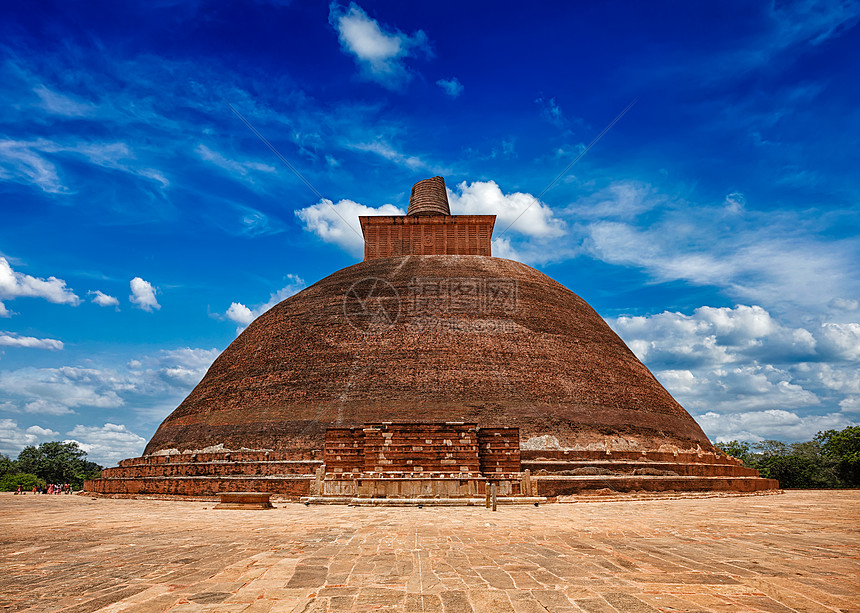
<point>794,552</point>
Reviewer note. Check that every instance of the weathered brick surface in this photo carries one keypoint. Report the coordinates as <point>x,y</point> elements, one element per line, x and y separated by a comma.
<point>386,237</point>
<point>294,486</point>
<point>558,371</point>
<point>429,197</point>
<point>563,486</point>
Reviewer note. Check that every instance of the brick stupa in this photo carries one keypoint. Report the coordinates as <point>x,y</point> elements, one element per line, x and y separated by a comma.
<point>430,369</point>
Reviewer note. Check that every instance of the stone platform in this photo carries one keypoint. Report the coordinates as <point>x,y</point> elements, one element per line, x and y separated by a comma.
<point>795,552</point>
<point>394,460</point>
<point>244,500</point>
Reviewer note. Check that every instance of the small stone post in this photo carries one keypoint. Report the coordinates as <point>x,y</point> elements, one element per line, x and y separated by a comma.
<point>493,494</point>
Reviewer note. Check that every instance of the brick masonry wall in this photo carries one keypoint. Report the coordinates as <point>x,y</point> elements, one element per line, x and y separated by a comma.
<point>439,235</point>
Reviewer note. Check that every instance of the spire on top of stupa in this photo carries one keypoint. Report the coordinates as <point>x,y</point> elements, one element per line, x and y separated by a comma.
<point>429,198</point>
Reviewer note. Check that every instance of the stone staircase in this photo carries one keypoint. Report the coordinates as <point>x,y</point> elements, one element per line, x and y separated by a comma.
<point>555,473</point>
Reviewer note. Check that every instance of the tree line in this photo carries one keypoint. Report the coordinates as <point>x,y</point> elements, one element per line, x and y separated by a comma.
<point>830,459</point>
<point>53,462</point>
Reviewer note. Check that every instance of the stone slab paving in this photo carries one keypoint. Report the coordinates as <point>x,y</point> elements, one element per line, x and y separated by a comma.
<point>794,552</point>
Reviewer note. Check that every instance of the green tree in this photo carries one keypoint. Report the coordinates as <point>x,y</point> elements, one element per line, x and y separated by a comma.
<point>736,449</point>
<point>7,466</point>
<point>57,462</point>
<point>792,471</point>
<point>771,449</point>
<point>842,447</point>
<point>11,481</point>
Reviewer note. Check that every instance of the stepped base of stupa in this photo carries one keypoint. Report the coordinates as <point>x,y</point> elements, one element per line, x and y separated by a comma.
<point>452,463</point>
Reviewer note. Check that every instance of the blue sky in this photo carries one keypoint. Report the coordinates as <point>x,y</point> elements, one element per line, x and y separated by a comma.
<point>715,226</point>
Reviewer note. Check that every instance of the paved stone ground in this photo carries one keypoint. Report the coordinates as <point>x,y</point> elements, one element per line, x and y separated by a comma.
<point>795,552</point>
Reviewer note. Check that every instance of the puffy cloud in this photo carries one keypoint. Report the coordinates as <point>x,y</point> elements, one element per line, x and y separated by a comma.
<point>451,86</point>
<point>185,366</point>
<point>771,424</point>
<point>851,404</point>
<point>380,52</point>
<point>840,341</point>
<point>744,361</point>
<point>528,216</point>
<point>15,285</point>
<point>338,223</point>
<point>56,391</point>
<point>143,295</point>
<point>742,388</point>
<point>103,300</point>
<point>844,304</point>
<point>243,316</point>
<point>10,339</point>
<point>14,438</point>
<point>108,444</point>
<point>239,313</point>
<point>713,336</point>
<point>170,370</point>
<point>152,384</point>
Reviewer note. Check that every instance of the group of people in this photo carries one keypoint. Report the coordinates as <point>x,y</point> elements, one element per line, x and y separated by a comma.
<point>50,488</point>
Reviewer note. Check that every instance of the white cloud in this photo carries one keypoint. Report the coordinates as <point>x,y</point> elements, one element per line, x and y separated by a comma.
<point>534,220</point>
<point>14,438</point>
<point>184,367</point>
<point>22,163</point>
<point>41,432</point>
<point>451,86</point>
<point>844,304</point>
<point>385,150</point>
<point>244,169</point>
<point>752,264</point>
<point>338,223</point>
<point>58,390</point>
<point>15,285</point>
<point>851,404</point>
<point>770,424</point>
<point>143,295</point>
<point>380,52</point>
<point>744,361</point>
<point>10,339</point>
<point>618,200</point>
<point>735,202</point>
<point>4,312</point>
<point>713,336</point>
<point>152,384</point>
<point>103,300</point>
<point>108,444</point>
<point>243,315</point>
<point>529,217</point>
<point>551,110</point>
<point>28,162</point>
<point>239,313</point>
<point>61,104</point>
<point>840,340</point>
